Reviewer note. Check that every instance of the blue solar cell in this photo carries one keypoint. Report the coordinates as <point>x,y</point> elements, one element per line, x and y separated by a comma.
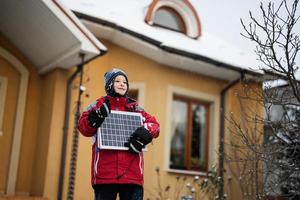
<point>117,128</point>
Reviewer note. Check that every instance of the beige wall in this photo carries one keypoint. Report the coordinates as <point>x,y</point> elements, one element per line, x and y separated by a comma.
<point>157,80</point>
<point>50,131</point>
<point>253,108</point>
<point>39,163</point>
<point>8,71</point>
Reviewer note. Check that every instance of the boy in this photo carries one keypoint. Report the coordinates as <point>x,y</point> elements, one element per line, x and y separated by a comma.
<point>117,171</point>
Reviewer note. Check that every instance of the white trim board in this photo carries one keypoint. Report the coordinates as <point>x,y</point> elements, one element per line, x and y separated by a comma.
<point>3,89</point>
<point>17,134</point>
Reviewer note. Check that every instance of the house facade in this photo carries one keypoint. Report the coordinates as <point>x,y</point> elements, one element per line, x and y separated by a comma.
<point>179,73</point>
<point>40,42</point>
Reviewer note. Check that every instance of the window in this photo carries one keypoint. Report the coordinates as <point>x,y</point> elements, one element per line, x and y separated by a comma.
<point>169,18</point>
<point>189,134</point>
<point>132,93</point>
<point>137,92</point>
<point>176,15</point>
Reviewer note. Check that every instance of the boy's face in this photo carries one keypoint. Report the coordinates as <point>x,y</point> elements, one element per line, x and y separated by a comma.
<point>120,85</point>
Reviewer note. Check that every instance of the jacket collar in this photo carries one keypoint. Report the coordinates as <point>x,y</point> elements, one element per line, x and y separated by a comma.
<point>129,103</point>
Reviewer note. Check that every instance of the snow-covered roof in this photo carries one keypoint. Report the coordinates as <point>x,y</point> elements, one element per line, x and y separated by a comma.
<point>128,16</point>
<point>274,84</point>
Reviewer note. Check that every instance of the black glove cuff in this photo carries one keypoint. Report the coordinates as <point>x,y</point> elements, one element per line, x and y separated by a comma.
<point>96,117</point>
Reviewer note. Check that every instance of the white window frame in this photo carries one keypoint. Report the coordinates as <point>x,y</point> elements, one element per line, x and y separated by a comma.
<point>213,134</point>
<point>140,87</point>
<point>3,89</point>
<point>189,17</point>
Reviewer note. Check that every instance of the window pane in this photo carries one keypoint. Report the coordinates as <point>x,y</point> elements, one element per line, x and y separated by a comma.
<point>179,127</point>
<point>199,130</point>
<point>168,18</point>
<point>133,94</point>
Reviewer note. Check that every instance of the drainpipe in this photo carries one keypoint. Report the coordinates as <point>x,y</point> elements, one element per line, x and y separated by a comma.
<point>78,72</point>
<point>222,134</point>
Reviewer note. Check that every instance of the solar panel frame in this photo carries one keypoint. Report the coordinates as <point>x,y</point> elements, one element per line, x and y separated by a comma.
<point>117,128</point>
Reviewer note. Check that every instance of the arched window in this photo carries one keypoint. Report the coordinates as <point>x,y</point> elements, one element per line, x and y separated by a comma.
<point>169,18</point>
<point>178,15</point>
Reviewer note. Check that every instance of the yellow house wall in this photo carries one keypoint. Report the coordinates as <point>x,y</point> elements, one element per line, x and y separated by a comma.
<point>157,79</point>
<point>232,188</point>
<point>43,120</point>
<point>236,106</point>
<point>39,158</point>
<point>26,162</point>
<point>8,71</point>
<point>51,127</point>
<point>29,135</point>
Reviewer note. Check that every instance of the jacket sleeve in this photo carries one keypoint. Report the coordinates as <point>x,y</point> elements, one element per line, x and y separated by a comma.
<point>151,124</point>
<point>83,124</point>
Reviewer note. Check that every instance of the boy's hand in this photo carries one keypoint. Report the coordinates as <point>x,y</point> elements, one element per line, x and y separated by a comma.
<point>96,117</point>
<point>139,139</point>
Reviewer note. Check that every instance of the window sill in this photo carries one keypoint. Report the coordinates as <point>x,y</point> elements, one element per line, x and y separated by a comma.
<point>187,172</point>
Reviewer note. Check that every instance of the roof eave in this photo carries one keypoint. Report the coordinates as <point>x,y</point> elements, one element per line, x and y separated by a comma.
<point>55,37</point>
<point>175,51</point>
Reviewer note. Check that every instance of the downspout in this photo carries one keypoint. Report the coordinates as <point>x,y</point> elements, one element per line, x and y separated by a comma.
<point>78,72</point>
<point>222,134</point>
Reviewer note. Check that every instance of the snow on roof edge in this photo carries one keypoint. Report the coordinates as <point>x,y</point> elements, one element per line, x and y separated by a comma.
<point>165,47</point>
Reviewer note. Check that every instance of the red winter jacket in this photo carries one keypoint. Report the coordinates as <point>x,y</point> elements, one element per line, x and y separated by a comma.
<point>117,166</point>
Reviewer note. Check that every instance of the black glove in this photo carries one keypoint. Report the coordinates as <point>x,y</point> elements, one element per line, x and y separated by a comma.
<point>139,139</point>
<point>96,117</point>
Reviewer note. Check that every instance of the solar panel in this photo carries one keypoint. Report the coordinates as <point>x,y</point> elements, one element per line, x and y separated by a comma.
<point>117,128</point>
